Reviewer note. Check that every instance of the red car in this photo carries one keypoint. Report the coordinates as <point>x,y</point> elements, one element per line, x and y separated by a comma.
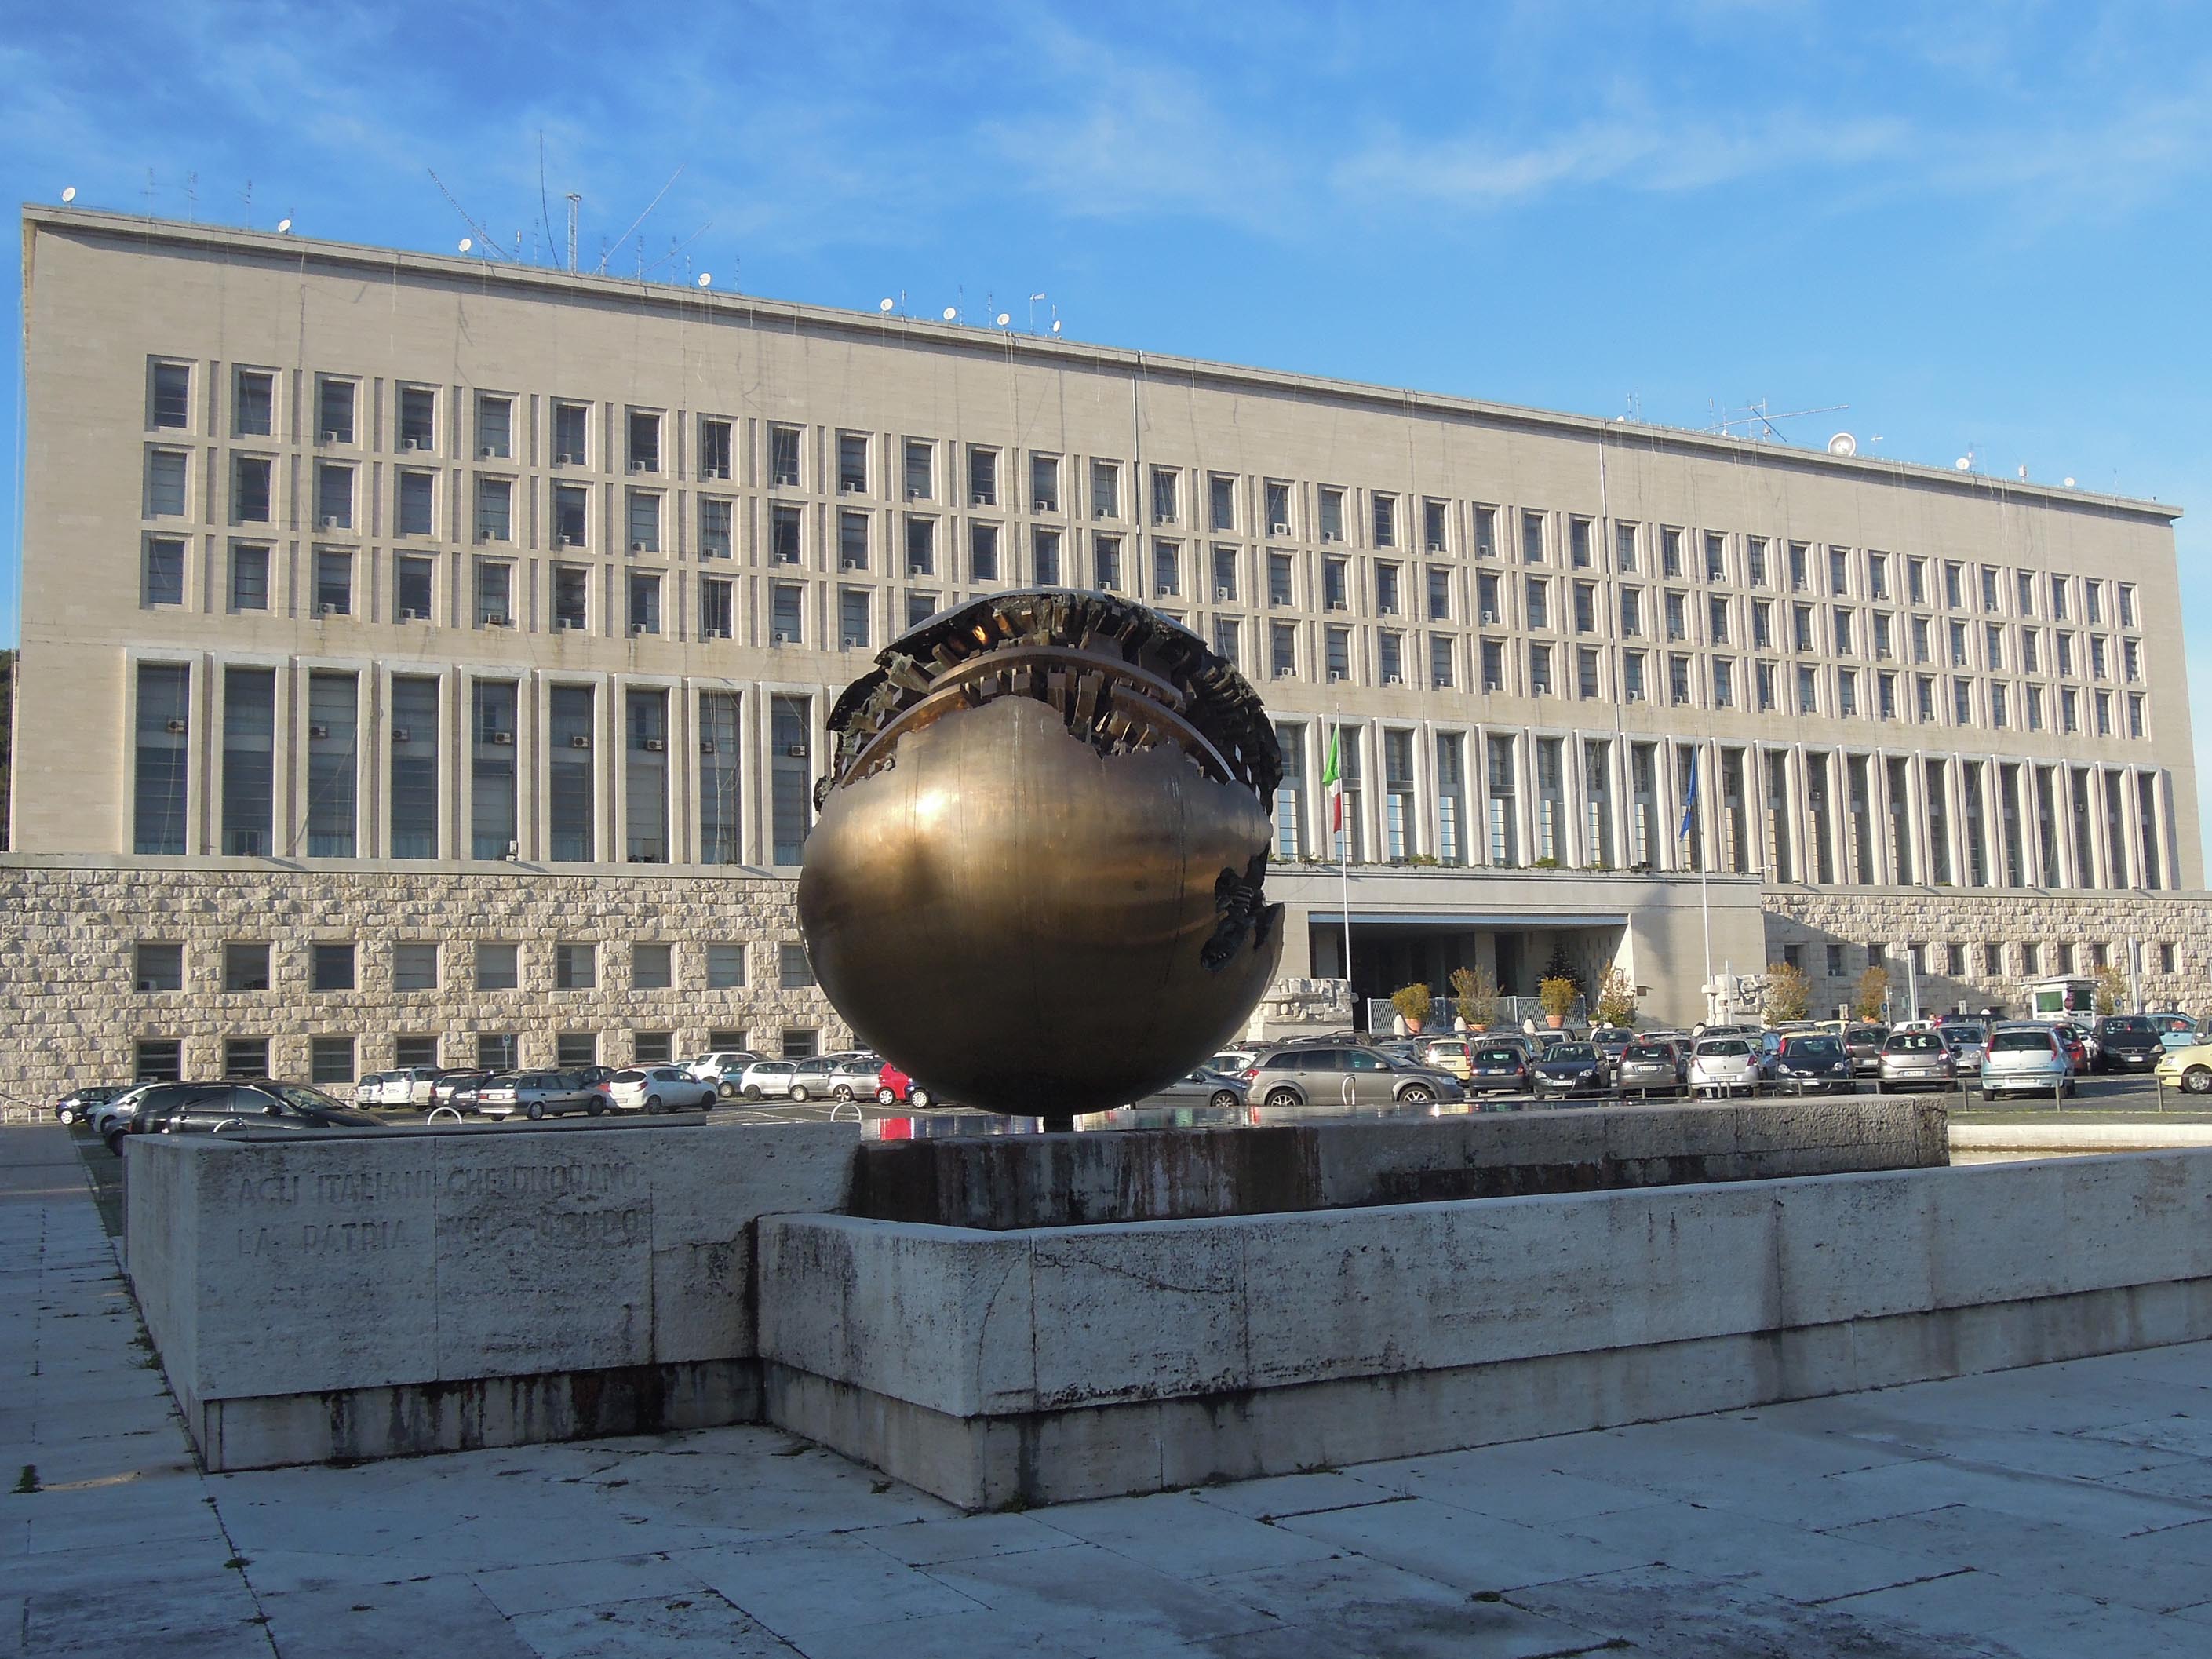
<point>2077,1052</point>
<point>895,1088</point>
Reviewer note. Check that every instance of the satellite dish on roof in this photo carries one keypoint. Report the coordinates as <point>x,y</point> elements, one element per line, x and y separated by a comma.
<point>1003,318</point>
<point>1843,444</point>
<point>1055,325</point>
<point>70,194</point>
<point>283,226</point>
<point>467,244</point>
<point>706,279</point>
<point>951,313</point>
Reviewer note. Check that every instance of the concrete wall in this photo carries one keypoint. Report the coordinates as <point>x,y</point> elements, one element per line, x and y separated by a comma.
<point>365,1296</point>
<point>1064,1364</point>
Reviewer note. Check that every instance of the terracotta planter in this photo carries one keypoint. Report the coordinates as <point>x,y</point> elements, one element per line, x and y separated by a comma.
<point>1555,1021</point>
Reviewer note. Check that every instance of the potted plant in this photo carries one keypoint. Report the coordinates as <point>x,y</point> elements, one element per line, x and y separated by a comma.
<point>1616,998</point>
<point>1412,1003</point>
<point>1475,991</point>
<point>1557,993</point>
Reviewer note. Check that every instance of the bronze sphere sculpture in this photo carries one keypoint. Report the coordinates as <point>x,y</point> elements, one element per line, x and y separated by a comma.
<point>1035,880</point>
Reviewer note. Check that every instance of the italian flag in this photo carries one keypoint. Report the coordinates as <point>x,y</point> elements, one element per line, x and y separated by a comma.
<point>1332,779</point>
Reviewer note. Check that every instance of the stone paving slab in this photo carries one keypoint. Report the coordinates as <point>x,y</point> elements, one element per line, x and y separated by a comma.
<point>2065,1510</point>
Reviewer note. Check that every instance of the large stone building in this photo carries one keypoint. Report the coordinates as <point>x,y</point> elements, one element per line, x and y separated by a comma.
<point>425,658</point>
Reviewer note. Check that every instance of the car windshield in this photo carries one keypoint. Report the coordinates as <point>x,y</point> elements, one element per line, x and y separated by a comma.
<point>313,1100</point>
<point>2008,1042</point>
<point>1820,1048</point>
<point>1866,1034</point>
<point>1727,1048</point>
<point>2129,1025</point>
<point>1498,1056</point>
<point>1914,1042</point>
<point>1571,1052</point>
<point>1965,1034</point>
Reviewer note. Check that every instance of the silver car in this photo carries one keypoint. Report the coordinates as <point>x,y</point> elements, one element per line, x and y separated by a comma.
<point>1967,1044</point>
<point>1345,1074</point>
<point>2026,1059</point>
<point>767,1080</point>
<point>536,1095</point>
<point>1202,1087</point>
<point>1916,1060</point>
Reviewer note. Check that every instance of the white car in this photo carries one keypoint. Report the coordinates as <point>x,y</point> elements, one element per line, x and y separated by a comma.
<point>723,1062</point>
<point>115,1113</point>
<point>410,1085</point>
<point>656,1088</point>
<point>2025,1060</point>
<point>768,1079</point>
<point>1724,1066</point>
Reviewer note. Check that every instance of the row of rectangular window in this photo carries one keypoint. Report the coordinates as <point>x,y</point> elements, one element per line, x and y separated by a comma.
<point>158,966</point>
<point>1551,773</point>
<point>2028,958</point>
<point>332,1063</point>
<point>572,779</point>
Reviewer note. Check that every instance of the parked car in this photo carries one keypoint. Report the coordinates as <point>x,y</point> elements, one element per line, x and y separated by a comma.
<point>1863,1044</point>
<point>2189,1070</point>
<point>2127,1043</point>
<point>1572,1068</point>
<point>1498,1066</point>
<point>657,1088</point>
<point>1724,1066</point>
<point>410,1085</point>
<point>1450,1053</point>
<point>261,1104</point>
<point>1202,1087</point>
<point>722,1066</point>
<point>814,1078</point>
<point>767,1080</point>
<point>1967,1042</point>
<point>1917,1059</point>
<point>1611,1042</point>
<point>2173,1023</point>
<point>113,1119</point>
<point>1235,1059</point>
<point>79,1102</point>
<point>536,1094</point>
<point>2088,1039</point>
<point>1346,1074</point>
<point>852,1076</point>
<point>895,1088</point>
<point>1812,1063</point>
<point>1650,1068</point>
<point>458,1089</point>
<point>2070,1043</point>
<point>2022,1059</point>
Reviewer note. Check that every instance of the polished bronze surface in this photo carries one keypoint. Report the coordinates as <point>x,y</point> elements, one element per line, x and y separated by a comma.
<point>1035,883</point>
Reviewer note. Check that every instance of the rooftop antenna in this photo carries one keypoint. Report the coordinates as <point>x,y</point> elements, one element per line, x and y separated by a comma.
<point>149,192</point>
<point>1034,298</point>
<point>642,217</point>
<point>247,196</point>
<point>1966,462</point>
<point>1759,415</point>
<point>490,242</point>
<point>574,202</point>
<point>192,197</point>
<point>887,305</point>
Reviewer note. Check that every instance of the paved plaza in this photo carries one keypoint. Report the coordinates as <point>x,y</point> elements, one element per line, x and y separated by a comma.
<point>2065,1510</point>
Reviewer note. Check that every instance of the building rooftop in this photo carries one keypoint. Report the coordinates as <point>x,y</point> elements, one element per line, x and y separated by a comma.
<point>530,280</point>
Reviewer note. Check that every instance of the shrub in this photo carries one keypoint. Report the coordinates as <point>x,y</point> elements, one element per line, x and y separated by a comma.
<point>1872,993</point>
<point>1557,995</point>
<point>2112,989</point>
<point>1475,991</point>
<point>1789,992</point>
<point>1412,1003</point>
<point>1616,998</point>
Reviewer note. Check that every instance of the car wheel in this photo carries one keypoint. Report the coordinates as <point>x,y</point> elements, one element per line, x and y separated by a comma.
<point>1283,1099</point>
<point>886,1097</point>
<point>752,1091</point>
<point>919,1099</point>
<point>594,1108</point>
<point>844,1091</point>
<point>1224,1100</point>
<point>535,1111</point>
<point>2196,1080</point>
<point>799,1091</point>
<point>652,1103</point>
<point>66,1115</point>
<point>115,1140</point>
<point>727,1090</point>
<point>1418,1094</point>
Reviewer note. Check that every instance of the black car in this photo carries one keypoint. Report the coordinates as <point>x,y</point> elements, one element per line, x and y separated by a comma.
<point>1813,1065</point>
<point>1572,1068</point>
<point>1492,1068</point>
<point>1863,1044</point>
<point>263,1103</point>
<point>458,1089</point>
<point>2127,1043</point>
<point>79,1101</point>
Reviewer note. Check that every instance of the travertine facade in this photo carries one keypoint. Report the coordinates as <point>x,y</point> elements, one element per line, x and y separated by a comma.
<point>79,926</point>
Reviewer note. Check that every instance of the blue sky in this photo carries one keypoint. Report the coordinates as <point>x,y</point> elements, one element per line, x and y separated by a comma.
<point>1980,224</point>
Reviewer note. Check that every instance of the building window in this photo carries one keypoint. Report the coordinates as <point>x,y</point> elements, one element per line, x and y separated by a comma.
<point>414,736</point>
<point>646,776</point>
<point>570,422</point>
<point>920,469</point>
<point>1337,652</point>
<point>714,530</point>
<point>714,609</point>
<point>492,771</point>
<point>1279,581</point>
<point>494,593</point>
<point>497,966</point>
<point>793,971</point>
<point>1586,676</point>
<point>333,581</point>
<point>644,601</point>
<point>1536,602</point>
<point>1389,657</point>
<point>572,591</point>
<point>1441,674</point>
<point>719,779</point>
<point>852,619</point>
<point>158,1060</point>
<point>245,966</point>
<point>920,606</point>
<point>572,1049</point>
<point>1166,505</point>
<point>790,775</point>
<point>333,764</point>
<point>165,570</point>
<point>1493,665</point>
<point>570,773</point>
<point>652,968</point>
<point>1532,537</point>
<point>416,1050</point>
<point>494,509</point>
<point>334,496</point>
<point>246,1057</point>
<point>1044,483</point>
<point>334,402</point>
<point>800,1043</point>
<point>920,547</point>
<point>1167,569</point>
<point>784,534</point>
<point>1632,688</point>
<point>783,457</point>
<point>254,403</point>
<point>785,603</point>
<point>984,552</point>
<point>1332,514</point>
<point>330,967</point>
<point>651,1047</point>
<point>250,487</point>
<point>851,464</point>
<point>249,733</point>
<point>415,966</point>
<point>1220,502</point>
<point>726,967</point>
<point>1106,562</point>
<point>497,1051</point>
<point>643,428</point>
<point>1282,651</point>
<point>642,513</point>
<point>165,484</point>
<point>418,424</point>
<point>1540,671</point>
<point>575,966</point>
<point>1678,681</point>
<point>415,509</point>
<point>1044,556</point>
<point>1226,639</point>
<point>160,967</point>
